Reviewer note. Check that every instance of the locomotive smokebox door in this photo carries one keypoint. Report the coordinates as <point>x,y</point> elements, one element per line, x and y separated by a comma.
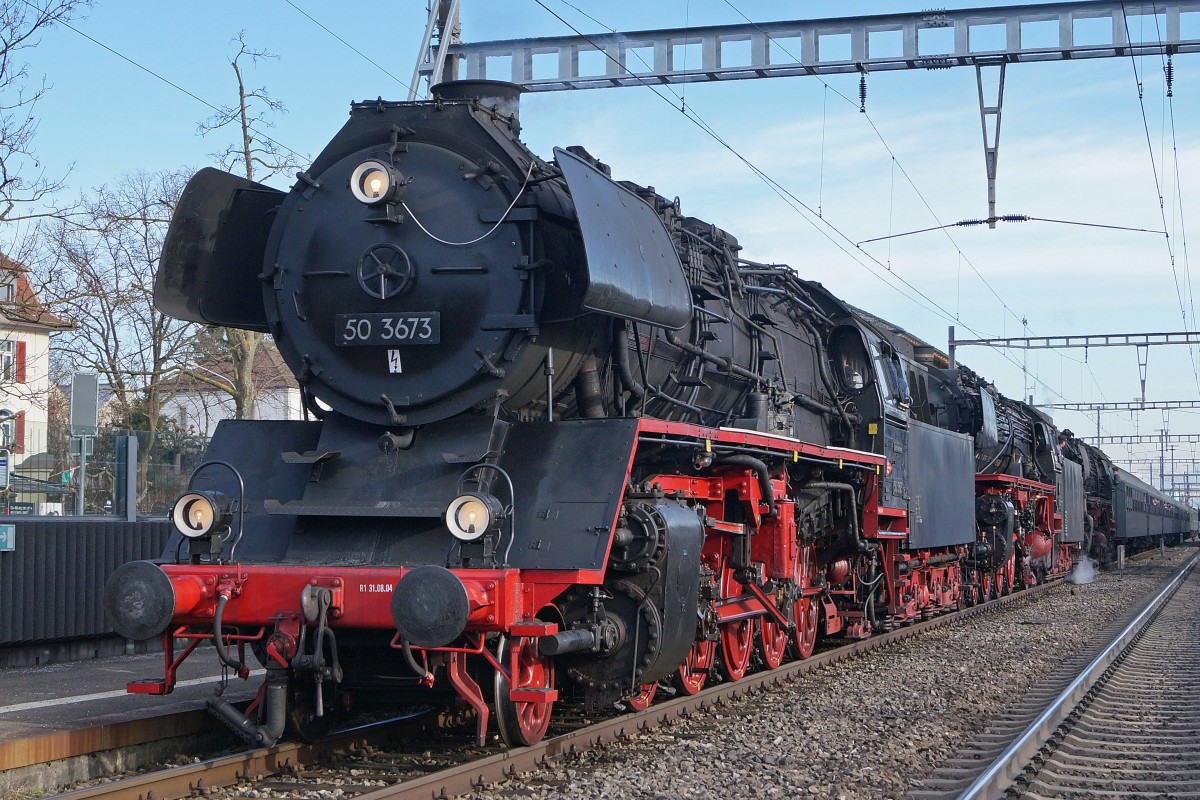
<point>213,253</point>
<point>633,268</point>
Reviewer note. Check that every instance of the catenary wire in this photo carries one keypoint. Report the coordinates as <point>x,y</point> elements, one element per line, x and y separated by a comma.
<point>833,234</point>
<point>352,47</point>
<point>264,137</point>
<point>1158,184</point>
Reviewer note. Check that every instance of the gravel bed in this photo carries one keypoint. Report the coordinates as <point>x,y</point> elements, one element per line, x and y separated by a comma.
<point>864,728</point>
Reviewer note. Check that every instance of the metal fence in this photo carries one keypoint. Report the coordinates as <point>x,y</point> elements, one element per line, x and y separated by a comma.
<point>47,471</point>
<point>52,579</point>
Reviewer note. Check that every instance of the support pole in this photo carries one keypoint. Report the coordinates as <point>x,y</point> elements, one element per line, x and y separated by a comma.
<point>991,138</point>
<point>82,486</point>
<point>1143,354</point>
<point>431,61</point>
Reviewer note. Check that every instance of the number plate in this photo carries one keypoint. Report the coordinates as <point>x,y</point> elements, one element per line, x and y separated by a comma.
<point>421,327</point>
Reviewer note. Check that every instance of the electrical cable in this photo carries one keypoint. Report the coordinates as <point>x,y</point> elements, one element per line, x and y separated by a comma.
<point>490,230</point>
<point>168,82</point>
<point>352,47</point>
<point>797,204</point>
<point>879,134</point>
<point>1157,183</point>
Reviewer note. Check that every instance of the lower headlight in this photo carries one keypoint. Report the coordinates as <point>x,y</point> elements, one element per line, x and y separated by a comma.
<point>198,514</point>
<point>472,515</point>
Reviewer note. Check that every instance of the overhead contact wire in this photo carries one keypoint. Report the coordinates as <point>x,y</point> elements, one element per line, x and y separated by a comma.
<point>796,203</point>
<point>1157,182</point>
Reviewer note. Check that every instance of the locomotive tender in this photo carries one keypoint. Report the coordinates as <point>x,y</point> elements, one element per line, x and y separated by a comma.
<point>563,440</point>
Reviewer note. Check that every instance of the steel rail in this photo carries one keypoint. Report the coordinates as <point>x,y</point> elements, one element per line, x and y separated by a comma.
<point>1000,774</point>
<point>195,779</point>
<point>470,776</point>
<point>208,775</point>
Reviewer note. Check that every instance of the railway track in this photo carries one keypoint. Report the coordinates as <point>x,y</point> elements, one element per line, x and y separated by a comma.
<point>365,763</point>
<point>1120,719</point>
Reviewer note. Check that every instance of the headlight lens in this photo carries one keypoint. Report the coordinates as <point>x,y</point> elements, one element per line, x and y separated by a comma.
<point>198,514</point>
<point>472,515</point>
<point>373,182</point>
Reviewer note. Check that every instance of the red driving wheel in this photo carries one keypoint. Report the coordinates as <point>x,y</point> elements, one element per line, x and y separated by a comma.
<point>772,641</point>
<point>805,615</point>
<point>737,637</point>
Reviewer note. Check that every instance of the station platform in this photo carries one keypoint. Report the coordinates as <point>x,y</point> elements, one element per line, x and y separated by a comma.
<point>71,695</point>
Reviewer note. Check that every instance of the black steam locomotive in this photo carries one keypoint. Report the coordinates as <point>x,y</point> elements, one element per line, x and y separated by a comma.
<point>563,440</point>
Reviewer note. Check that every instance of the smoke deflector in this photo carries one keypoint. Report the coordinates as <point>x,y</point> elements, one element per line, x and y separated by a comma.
<point>633,269</point>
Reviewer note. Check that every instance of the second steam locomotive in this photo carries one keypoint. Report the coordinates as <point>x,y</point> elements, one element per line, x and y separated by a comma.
<point>565,441</point>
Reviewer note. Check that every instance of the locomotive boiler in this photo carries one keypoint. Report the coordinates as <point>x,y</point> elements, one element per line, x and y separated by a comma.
<point>561,441</point>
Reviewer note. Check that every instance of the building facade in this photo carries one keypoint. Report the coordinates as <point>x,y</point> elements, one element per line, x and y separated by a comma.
<point>25,328</point>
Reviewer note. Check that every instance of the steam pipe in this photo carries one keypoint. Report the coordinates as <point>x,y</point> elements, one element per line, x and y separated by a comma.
<point>265,735</point>
<point>764,477</point>
<point>724,363</point>
<point>823,370</point>
<point>587,389</point>
<point>821,408</point>
<point>860,543</point>
<point>621,358</point>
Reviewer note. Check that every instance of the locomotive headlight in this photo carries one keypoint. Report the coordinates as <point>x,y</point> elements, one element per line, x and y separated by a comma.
<point>374,182</point>
<point>198,514</point>
<point>472,515</point>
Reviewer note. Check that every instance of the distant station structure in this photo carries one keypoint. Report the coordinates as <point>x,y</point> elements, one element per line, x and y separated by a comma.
<point>987,39</point>
<point>931,39</point>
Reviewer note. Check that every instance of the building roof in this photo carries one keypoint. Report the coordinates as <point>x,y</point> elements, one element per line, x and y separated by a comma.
<point>25,308</point>
<point>270,372</point>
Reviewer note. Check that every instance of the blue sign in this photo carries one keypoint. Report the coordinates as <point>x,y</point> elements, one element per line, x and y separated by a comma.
<point>8,538</point>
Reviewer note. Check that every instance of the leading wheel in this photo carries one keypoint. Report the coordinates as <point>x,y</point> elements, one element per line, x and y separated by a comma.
<point>693,672</point>
<point>644,696</point>
<point>805,638</point>
<point>523,722</point>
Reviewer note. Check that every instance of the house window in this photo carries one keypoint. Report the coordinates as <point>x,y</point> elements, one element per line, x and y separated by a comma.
<point>8,292</point>
<point>12,361</point>
<point>8,429</point>
<point>8,360</point>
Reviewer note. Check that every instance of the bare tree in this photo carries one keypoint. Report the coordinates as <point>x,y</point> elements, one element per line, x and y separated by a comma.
<point>258,157</point>
<point>99,271</point>
<point>24,181</point>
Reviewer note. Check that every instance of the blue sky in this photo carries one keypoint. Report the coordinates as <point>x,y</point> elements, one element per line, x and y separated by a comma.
<point>1073,146</point>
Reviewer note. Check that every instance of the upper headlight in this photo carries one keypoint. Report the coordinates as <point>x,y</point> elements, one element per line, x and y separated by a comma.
<point>374,182</point>
<point>472,515</point>
<point>197,514</point>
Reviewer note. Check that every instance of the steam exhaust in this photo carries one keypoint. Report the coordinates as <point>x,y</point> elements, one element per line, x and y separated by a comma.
<point>1084,572</point>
